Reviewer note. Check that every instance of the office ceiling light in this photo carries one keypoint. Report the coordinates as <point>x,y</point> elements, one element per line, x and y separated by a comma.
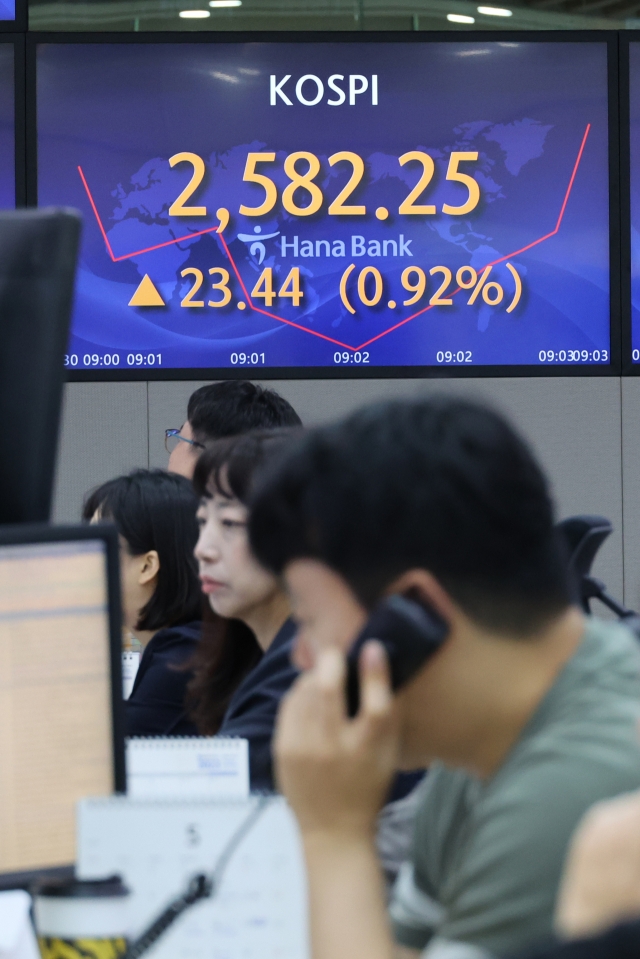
<point>225,3</point>
<point>495,12</point>
<point>194,14</point>
<point>460,18</point>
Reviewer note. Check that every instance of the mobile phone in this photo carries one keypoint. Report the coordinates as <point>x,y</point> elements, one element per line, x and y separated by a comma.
<point>410,633</point>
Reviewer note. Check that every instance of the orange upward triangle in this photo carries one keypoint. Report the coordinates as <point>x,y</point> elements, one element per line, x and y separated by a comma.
<point>146,294</point>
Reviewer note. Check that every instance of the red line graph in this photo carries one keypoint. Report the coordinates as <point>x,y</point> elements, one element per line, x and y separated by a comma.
<point>305,329</point>
<point>149,249</point>
<point>257,309</point>
<point>509,255</point>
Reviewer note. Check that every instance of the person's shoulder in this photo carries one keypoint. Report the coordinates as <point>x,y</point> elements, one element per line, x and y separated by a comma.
<point>283,642</point>
<point>179,640</point>
<point>559,774</point>
<point>589,717</point>
<point>276,662</point>
<point>500,847</point>
<point>607,661</point>
<point>180,633</point>
<point>258,695</point>
<point>445,799</point>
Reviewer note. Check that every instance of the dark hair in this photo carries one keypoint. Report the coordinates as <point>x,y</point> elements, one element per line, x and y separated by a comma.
<point>237,406</point>
<point>226,653</point>
<point>439,484</point>
<point>229,466</point>
<point>152,509</point>
<point>228,650</point>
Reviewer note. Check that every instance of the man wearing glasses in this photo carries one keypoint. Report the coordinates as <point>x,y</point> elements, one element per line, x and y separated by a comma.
<point>224,409</point>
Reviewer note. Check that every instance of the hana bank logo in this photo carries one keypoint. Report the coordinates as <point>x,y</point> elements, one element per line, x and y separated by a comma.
<point>257,247</point>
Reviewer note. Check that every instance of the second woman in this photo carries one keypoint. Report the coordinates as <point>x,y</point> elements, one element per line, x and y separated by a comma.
<point>243,667</point>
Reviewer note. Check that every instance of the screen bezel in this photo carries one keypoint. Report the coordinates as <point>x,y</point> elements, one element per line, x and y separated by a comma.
<point>17,41</point>
<point>629,368</point>
<point>35,533</point>
<point>20,23</point>
<point>610,38</point>
<point>20,114</point>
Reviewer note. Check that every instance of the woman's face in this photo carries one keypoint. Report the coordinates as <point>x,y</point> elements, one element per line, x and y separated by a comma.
<point>233,580</point>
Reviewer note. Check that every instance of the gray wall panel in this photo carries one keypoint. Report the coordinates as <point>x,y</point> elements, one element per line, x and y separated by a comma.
<point>104,432</point>
<point>575,427</point>
<point>573,423</point>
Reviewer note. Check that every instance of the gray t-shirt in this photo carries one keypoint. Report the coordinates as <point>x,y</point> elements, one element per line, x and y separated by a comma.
<point>487,856</point>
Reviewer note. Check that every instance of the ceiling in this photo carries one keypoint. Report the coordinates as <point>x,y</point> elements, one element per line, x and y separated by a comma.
<point>386,15</point>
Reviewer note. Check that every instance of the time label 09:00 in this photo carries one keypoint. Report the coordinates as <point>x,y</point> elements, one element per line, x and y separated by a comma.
<point>72,360</point>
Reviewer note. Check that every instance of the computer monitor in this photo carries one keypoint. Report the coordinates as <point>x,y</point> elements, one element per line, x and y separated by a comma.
<point>38,253</point>
<point>61,729</point>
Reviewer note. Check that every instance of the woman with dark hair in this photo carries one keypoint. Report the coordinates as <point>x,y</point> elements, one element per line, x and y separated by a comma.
<point>154,513</point>
<point>243,666</point>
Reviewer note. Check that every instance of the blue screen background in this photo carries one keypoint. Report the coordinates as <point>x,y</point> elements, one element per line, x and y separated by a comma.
<point>119,111</point>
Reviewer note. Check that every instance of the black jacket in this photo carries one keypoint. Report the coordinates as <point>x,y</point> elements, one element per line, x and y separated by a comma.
<point>254,705</point>
<point>156,706</point>
<point>253,709</point>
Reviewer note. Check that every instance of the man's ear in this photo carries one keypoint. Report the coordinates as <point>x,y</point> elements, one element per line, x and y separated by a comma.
<point>421,584</point>
<point>150,567</point>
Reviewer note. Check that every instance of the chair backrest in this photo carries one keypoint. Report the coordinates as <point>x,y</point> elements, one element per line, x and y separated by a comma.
<point>583,537</point>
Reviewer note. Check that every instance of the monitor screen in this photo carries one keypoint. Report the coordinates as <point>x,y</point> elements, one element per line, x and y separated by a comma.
<point>282,206</point>
<point>7,9</point>
<point>56,739</point>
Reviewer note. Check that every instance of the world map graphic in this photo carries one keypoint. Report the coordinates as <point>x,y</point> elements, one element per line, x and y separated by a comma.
<point>140,216</point>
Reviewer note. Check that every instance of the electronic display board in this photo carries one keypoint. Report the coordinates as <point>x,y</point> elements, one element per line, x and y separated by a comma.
<point>320,206</point>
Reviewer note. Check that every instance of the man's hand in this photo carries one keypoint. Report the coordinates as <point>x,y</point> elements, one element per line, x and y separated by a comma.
<point>601,885</point>
<point>335,771</point>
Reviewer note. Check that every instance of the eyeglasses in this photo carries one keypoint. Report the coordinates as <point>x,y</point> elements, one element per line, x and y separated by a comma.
<point>173,437</point>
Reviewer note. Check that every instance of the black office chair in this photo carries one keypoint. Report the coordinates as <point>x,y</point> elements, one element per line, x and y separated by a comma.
<point>583,536</point>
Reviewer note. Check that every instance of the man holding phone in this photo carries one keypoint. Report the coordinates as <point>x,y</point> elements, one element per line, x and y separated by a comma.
<point>525,711</point>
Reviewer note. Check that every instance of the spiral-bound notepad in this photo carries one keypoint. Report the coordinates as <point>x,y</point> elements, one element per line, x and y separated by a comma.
<point>177,767</point>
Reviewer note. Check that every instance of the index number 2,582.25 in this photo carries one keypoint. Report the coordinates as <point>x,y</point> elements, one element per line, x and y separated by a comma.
<point>302,186</point>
